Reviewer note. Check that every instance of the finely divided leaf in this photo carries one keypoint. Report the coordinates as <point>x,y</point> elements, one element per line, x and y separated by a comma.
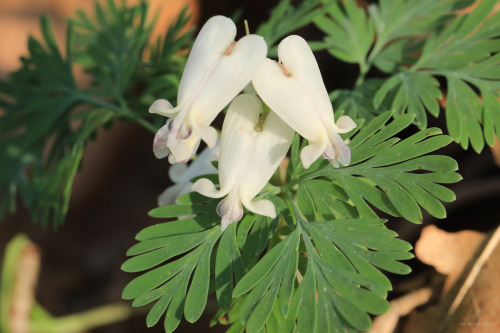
<point>178,254</point>
<point>394,176</point>
<point>273,276</point>
<point>465,53</point>
<point>349,33</point>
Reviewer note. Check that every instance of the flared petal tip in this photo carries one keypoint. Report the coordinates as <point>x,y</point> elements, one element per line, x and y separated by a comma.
<point>310,153</point>
<point>262,207</point>
<point>206,188</point>
<point>345,124</point>
<point>208,134</point>
<point>162,107</point>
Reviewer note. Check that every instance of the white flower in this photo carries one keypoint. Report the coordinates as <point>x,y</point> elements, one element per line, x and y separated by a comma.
<point>181,174</point>
<point>294,89</point>
<point>247,159</point>
<point>217,69</point>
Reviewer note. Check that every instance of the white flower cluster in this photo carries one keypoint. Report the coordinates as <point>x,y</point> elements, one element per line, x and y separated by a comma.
<point>251,148</point>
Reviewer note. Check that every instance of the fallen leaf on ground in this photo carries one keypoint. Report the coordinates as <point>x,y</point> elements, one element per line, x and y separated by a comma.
<point>472,304</point>
<point>447,252</point>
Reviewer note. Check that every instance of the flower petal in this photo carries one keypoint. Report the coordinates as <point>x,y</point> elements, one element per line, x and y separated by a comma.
<point>160,148</point>
<point>310,153</point>
<point>177,172</point>
<point>230,209</point>
<point>229,77</point>
<point>208,189</point>
<point>265,155</point>
<point>169,196</point>
<point>297,57</point>
<point>164,108</point>
<point>247,159</point>
<point>214,38</point>
<point>285,97</point>
<point>261,207</point>
<point>342,150</point>
<point>182,149</point>
<point>236,139</point>
<point>206,133</point>
<point>345,124</point>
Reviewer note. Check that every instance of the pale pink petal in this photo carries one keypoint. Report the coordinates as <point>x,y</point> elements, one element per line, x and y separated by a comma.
<point>160,148</point>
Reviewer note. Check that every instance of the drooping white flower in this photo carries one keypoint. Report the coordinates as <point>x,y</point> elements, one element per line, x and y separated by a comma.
<point>181,174</point>
<point>217,69</point>
<point>294,89</point>
<point>247,159</point>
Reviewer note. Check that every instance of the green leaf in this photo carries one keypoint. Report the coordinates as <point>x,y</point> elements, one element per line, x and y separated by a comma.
<point>43,138</point>
<point>394,176</point>
<point>196,298</point>
<point>358,103</point>
<point>111,47</point>
<point>342,283</point>
<point>228,261</point>
<point>254,232</point>
<point>273,276</point>
<point>285,18</point>
<point>463,114</point>
<point>405,19</point>
<point>413,93</point>
<point>36,133</point>
<point>180,282</point>
<point>349,33</point>
<point>321,200</point>
<point>153,252</point>
<point>466,54</point>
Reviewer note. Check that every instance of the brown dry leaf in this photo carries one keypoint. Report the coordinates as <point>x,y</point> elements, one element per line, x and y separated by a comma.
<point>447,252</point>
<point>387,322</point>
<point>472,304</point>
<point>495,149</point>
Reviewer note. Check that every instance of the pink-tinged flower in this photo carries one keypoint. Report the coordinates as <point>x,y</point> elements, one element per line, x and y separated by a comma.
<point>294,89</point>
<point>247,159</point>
<point>217,69</point>
<point>181,174</point>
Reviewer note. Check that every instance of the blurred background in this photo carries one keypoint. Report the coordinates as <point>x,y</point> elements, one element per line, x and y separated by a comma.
<point>121,179</point>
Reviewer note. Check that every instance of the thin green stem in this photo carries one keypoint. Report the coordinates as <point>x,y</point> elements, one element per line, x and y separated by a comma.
<point>122,111</point>
<point>97,102</point>
<point>141,121</point>
<point>294,209</point>
<point>363,70</point>
<point>365,66</point>
<point>84,321</point>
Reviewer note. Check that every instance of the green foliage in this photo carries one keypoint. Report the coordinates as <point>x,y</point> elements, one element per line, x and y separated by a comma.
<point>38,101</point>
<point>48,119</point>
<point>416,42</point>
<point>394,176</point>
<point>192,251</point>
<point>358,102</point>
<point>324,253</point>
<point>285,19</point>
<point>349,33</point>
<point>318,265</point>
